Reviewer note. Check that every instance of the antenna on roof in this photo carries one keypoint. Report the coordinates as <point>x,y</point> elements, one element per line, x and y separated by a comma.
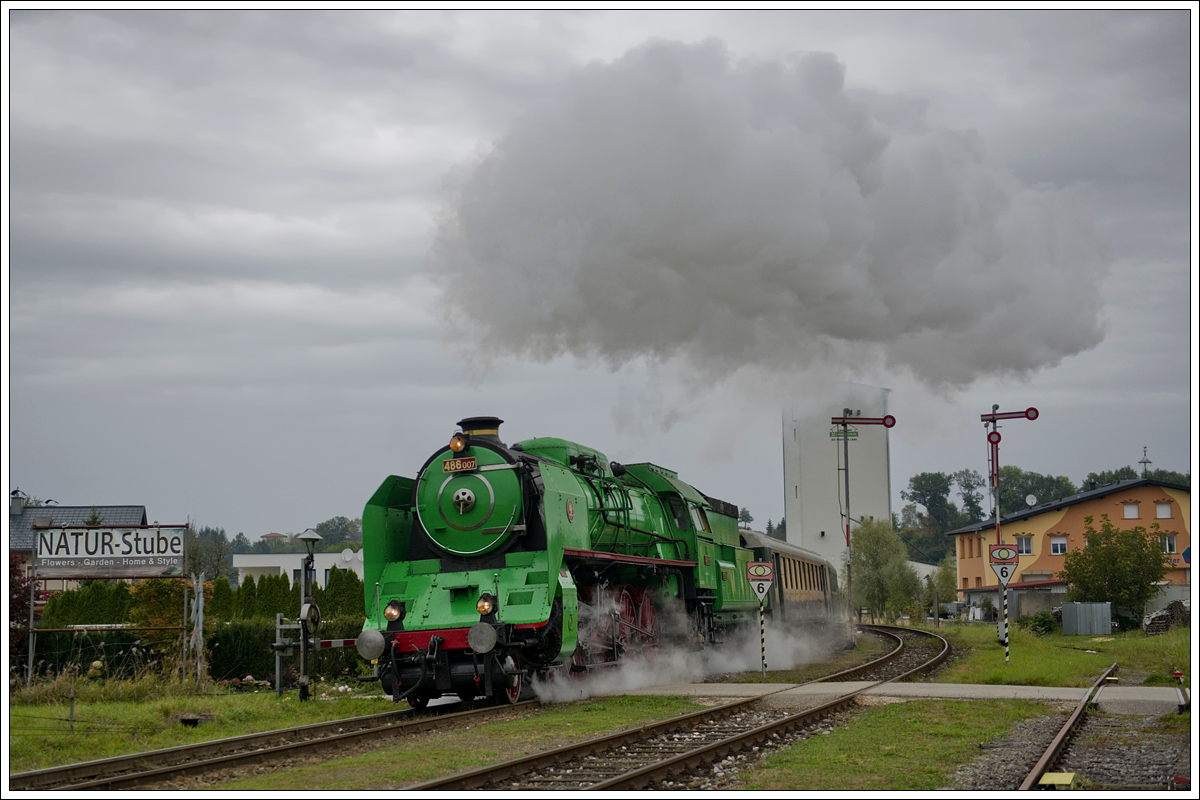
<point>1145,462</point>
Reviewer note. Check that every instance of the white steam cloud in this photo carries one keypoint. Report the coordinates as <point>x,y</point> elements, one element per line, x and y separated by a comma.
<point>676,204</point>
<point>671,663</point>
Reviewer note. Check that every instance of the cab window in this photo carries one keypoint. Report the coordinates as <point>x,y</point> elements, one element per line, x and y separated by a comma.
<point>700,519</point>
<point>678,511</point>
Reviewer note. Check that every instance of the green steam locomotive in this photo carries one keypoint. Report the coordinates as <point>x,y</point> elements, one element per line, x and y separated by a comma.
<point>499,563</point>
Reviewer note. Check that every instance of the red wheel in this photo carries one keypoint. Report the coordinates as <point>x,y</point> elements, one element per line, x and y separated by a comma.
<point>628,625</point>
<point>512,693</point>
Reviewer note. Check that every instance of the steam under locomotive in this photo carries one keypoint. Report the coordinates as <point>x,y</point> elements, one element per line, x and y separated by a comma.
<point>544,558</point>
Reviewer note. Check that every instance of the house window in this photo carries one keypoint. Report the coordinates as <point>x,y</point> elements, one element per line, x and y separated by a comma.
<point>1162,510</point>
<point>1024,545</point>
<point>1058,545</point>
<point>1131,511</point>
<point>979,582</point>
<point>966,583</point>
<point>1168,542</point>
<point>295,576</point>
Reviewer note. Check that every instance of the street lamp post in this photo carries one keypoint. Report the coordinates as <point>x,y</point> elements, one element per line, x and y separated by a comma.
<point>310,615</point>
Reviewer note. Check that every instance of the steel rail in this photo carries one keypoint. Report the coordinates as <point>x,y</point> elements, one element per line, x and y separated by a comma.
<point>669,767</point>
<point>156,766</point>
<point>1064,735</point>
<point>848,674</point>
<point>640,777</point>
<point>474,779</point>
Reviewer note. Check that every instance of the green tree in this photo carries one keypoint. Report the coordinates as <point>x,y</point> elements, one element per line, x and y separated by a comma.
<point>1119,566</point>
<point>247,599</point>
<point>970,485</point>
<point>744,518</point>
<point>879,571</point>
<point>223,600</point>
<point>210,552</point>
<point>1130,474</point>
<point>932,490</point>
<point>1016,484</point>
<point>942,584</point>
<point>336,532</point>
<point>342,595</point>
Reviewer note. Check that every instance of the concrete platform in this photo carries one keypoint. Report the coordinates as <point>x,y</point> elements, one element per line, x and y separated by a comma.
<point>1154,700</point>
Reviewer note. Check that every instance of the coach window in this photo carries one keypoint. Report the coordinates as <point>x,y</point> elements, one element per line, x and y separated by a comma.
<point>1131,511</point>
<point>1162,510</point>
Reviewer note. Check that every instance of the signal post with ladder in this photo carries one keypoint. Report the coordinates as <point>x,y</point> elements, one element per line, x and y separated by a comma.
<point>993,438</point>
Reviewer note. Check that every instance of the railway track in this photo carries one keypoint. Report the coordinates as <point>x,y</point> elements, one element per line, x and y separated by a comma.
<point>686,741</point>
<point>1105,763</point>
<point>163,766</point>
<point>647,757</point>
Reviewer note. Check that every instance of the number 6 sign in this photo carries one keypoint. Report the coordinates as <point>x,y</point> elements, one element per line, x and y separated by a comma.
<point>1004,560</point>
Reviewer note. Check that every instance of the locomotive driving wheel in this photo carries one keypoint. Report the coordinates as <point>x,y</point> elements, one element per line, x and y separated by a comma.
<point>627,623</point>
<point>511,666</point>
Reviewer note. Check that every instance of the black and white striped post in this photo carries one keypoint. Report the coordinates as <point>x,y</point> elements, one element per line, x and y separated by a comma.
<point>762,636</point>
<point>761,575</point>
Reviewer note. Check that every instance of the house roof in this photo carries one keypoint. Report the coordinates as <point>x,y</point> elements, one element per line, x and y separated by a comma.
<point>21,526</point>
<point>1075,499</point>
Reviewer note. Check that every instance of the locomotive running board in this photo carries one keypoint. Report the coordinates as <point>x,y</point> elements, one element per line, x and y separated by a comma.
<point>600,555</point>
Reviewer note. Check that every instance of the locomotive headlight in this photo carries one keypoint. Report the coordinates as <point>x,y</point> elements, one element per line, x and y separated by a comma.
<point>485,605</point>
<point>458,442</point>
<point>392,611</point>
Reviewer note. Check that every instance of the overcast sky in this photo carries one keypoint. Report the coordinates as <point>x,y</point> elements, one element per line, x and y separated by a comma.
<point>258,261</point>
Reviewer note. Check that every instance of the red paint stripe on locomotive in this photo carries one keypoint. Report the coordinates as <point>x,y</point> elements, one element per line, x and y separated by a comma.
<point>625,559</point>
<point>532,624</point>
<point>409,641</point>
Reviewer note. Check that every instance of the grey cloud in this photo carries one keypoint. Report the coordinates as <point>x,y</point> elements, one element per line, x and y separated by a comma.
<point>674,203</point>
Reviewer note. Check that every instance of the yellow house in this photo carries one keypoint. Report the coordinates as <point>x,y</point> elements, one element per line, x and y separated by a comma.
<point>1044,534</point>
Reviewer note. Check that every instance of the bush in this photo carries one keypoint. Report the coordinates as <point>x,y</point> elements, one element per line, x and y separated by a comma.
<point>243,647</point>
<point>1038,624</point>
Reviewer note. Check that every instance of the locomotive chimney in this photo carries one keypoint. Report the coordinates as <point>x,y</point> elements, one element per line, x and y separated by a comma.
<point>483,429</point>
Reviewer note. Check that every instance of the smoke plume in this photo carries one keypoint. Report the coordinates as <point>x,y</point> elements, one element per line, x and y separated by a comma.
<point>676,204</point>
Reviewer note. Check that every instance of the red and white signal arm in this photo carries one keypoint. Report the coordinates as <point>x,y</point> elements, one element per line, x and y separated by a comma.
<point>761,575</point>
<point>1004,559</point>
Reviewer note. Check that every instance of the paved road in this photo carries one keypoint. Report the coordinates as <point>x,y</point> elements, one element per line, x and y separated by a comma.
<point>1112,699</point>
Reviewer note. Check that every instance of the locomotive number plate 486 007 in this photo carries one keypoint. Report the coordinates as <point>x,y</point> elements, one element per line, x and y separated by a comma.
<point>458,464</point>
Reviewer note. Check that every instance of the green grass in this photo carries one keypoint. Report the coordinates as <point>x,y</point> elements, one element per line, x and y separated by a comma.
<point>1058,660</point>
<point>913,746</point>
<point>866,648</point>
<point>41,733</point>
<point>423,758</point>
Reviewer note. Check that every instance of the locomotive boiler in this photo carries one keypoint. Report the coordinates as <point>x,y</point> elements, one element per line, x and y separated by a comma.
<point>500,563</point>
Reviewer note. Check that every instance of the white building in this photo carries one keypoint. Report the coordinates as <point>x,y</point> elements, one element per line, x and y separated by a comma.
<point>291,564</point>
<point>814,479</point>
